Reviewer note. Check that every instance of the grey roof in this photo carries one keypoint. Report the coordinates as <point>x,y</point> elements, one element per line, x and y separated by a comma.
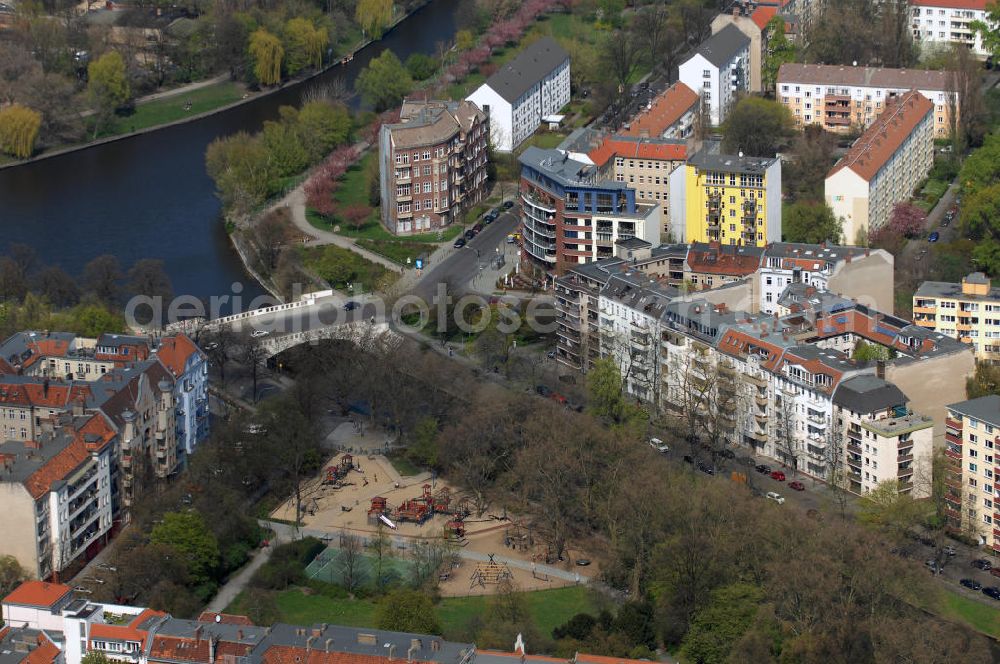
<point>566,171</point>
<point>633,243</point>
<point>868,394</point>
<point>638,291</point>
<point>19,642</point>
<point>708,160</point>
<point>363,641</point>
<point>953,290</point>
<point>232,633</point>
<point>986,409</point>
<point>721,47</point>
<point>27,456</point>
<point>529,67</point>
<point>16,348</point>
<point>827,252</point>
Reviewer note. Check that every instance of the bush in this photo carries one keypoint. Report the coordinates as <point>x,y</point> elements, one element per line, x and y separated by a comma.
<point>287,564</point>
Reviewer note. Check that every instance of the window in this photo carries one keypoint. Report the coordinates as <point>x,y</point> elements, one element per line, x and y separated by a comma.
<point>427,154</point>
<point>706,73</point>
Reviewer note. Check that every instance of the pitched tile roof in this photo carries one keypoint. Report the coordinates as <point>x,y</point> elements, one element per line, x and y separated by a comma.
<point>37,593</point>
<point>46,652</point>
<point>136,630</point>
<point>665,111</point>
<point>889,131</point>
<point>175,351</point>
<point>717,258</point>
<point>638,148</point>
<point>863,77</point>
<point>529,67</point>
<point>763,15</point>
<point>723,46</point>
<point>86,439</point>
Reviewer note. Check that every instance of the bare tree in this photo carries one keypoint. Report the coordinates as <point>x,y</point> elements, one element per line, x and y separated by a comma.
<point>220,345</point>
<point>380,546</point>
<point>785,438</point>
<point>349,560</point>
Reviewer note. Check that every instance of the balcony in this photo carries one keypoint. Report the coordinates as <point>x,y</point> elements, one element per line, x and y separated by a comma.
<point>568,333</point>
<point>854,448</point>
<point>817,418</point>
<point>755,379</point>
<point>536,202</point>
<point>838,120</point>
<point>930,311</point>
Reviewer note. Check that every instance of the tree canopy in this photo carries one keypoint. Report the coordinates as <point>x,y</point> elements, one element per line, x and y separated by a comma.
<point>811,223</point>
<point>19,127</point>
<point>374,16</point>
<point>405,610</point>
<point>189,535</point>
<point>779,51</point>
<point>384,82</point>
<point>988,30</point>
<point>757,127</point>
<point>268,55</point>
<point>107,86</point>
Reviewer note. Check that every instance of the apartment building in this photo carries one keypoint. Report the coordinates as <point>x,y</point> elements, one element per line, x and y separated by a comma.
<point>943,23</point>
<point>59,490</point>
<point>732,199</point>
<point>843,99</point>
<point>188,366</point>
<point>671,114</point>
<point>644,164</point>
<point>719,70</point>
<point>971,441</point>
<point>858,273</point>
<point>713,264</point>
<point>433,165</point>
<point>571,214</point>
<point>968,312</point>
<point>532,86</point>
<point>883,167</point>
<point>752,21</point>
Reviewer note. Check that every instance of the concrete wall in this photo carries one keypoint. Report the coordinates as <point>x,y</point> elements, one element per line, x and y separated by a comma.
<point>847,193</point>
<point>17,523</point>
<point>931,384</point>
<point>869,280</point>
<point>501,116</point>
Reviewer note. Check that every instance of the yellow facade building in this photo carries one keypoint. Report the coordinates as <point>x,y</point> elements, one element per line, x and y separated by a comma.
<point>969,312</point>
<point>731,199</point>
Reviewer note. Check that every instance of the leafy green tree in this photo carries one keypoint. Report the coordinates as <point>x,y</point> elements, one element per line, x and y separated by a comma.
<point>721,624</point>
<point>405,610</point>
<point>982,167</point>
<point>757,127</point>
<point>988,30</point>
<point>374,16</point>
<point>886,508</point>
<point>107,87</point>
<point>870,352</point>
<point>95,657</point>
<point>322,126</point>
<point>421,66</point>
<point>779,51</point>
<point>268,55</point>
<point>284,144</point>
<point>305,45</point>
<point>604,387</point>
<point>423,448</point>
<point>810,222</point>
<point>241,168</point>
<point>189,535</point>
<point>985,381</point>
<point>19,127</point>
<point>464,40</point>
<point>11,574</point>
<point>384,82</point>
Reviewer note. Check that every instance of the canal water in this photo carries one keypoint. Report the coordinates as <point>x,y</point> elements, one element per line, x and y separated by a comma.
<point>149,196</point>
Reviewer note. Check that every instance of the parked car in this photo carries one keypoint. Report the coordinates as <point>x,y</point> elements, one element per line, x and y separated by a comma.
<point>510,238</point>
<point>469,234</point>
<point>351,305</point>
<point>763,469</point>
<point>796,486</point>
<point>488,219</point>
<point>543,390</point>
<point>983,564</point>
<point>659,445</point>
<point>995,572</point>
<point>949,551</point>
<point>477,229</point>
<point>933,237</point>
<point>558,398</point>
<point>707,469</point>
<point>688,459</point>
<point>459,243</point>
<point>778,475</point>
<point>259,333</point>
<point>508,205</point>
<point>776,497</point>
<point>992,591</point>
<point>82,590</point>
<point>971,584</point>
<point>727,454</point>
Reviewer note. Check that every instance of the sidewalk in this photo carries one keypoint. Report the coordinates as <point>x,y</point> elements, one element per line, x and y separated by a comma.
<point>485,280</point>
<point>239,581</point>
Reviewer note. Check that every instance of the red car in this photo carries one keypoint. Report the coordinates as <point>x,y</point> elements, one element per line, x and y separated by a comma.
<point>778,475</point>
<point>797,486</point>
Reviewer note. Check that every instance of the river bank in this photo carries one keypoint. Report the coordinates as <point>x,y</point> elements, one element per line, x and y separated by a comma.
<point>246,99</point>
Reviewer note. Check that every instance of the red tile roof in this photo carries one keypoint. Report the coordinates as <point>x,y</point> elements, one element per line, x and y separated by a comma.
<point>637,149</point>
<point>224,618</point>
<point>37,593</point>
<point>517,655</point>
<point>46,652</point>
<point>951,4</point>
<point>175,351</point>
<point>72,457</point>
<point>190,649</point>
<point>583,658</point>
<point>666,110</point>
<point>129,632</point>
<point>763,15</point>
<point>722,259</point>
<point>889,131</point>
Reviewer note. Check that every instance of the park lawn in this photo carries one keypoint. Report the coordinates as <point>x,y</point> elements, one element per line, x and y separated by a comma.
<point>341,267</point>
<point>398,251</point>
<point>548,608</point>
<point>404,466</point>
<point>298,608</point>
<point>170,109</point>
<point>984,618</point>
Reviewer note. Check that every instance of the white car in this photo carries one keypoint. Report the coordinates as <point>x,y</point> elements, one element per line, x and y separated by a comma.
<point>259,333</point>
<point>659,445</point>
<point>776,497</point>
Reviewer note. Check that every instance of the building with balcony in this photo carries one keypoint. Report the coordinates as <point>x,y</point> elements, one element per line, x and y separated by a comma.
<point>571,214</point>
<point>972,437</point>
<point>968,312</point>
<point>432,165</point>
<point>883,167</point>
<point>731,199</point>
<point>844,99</point>
<point>719,71</point>
<point>942,23</point>
<point>188,365</point>
<point>671,114</point>
<point>535,84</point>
<point>884,440</point>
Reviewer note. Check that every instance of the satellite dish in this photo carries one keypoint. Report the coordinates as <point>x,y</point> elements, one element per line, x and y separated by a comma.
<point>854,64</point>
<point>218,618</point>
<point>741,154</point>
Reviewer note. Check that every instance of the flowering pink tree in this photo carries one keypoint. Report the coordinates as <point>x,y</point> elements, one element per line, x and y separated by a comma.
<point>907,220</point>
<point>323,183</point>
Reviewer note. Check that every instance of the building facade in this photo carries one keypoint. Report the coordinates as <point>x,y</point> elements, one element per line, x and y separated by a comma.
<point>972,437</point>
<point>671,114</point>
<point>968,312</point>
<point>533,85</point>
<point>719,70</point>
<point>732,199</point>
<point>843,99</point>
<point>883,167</point>
<point>570,214</point>
<point>432,165</point>
<point>943,23</point>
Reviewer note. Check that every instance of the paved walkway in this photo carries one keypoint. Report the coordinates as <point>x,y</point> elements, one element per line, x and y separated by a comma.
<point>239,581</point>
<point>190,87</point>
<point>554,572</point>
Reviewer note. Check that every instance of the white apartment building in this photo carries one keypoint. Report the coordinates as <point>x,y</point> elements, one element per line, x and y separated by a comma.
<point>530,87</point>
<point>941,23</point>
<point>719,70</point>
<point>972,437</point>
<point>843,99</point>
<point>883,167</point>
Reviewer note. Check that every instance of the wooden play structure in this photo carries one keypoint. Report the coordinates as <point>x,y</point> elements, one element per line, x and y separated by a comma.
<point>418,510</point>
<point>337,472</point>
<point>490,573</point>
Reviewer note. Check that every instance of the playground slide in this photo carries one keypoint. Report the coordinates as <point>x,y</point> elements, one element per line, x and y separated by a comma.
<point>384,519</point>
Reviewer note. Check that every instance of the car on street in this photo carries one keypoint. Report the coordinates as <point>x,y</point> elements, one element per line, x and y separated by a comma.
<point>946,221</point>
<point>778,476</point>
<point>949,551</point>
<point>920,255</point>
<point>82,590</point>
<point>796,486</point>
<point>488,219</point>
<point>776,497</point>
<point>983,564</point>
<point>469,234</point>
<point>727,454</point>
<point>971,584</point>
<point>992,591</point>
<point>707,469</point>
<point>459,243</point>
<point>259,333</point>
<point>934,237</point>
<point>508,205</point>
<point>477,229</point>
<point>558,398</point>
<point>351,305</point>
<point>995,572</point>
<point>211,346</point>
<point>763,469</point>
<point>659,445</point>
<point>510,238</point>
<point>106,567</point>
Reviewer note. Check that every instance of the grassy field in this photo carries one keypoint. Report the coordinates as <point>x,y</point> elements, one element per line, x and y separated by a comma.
<point>341,266</point>
<point>980,616</point>
<point>170,109</point>
<point>403,466</point>
<point>548,608</point>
